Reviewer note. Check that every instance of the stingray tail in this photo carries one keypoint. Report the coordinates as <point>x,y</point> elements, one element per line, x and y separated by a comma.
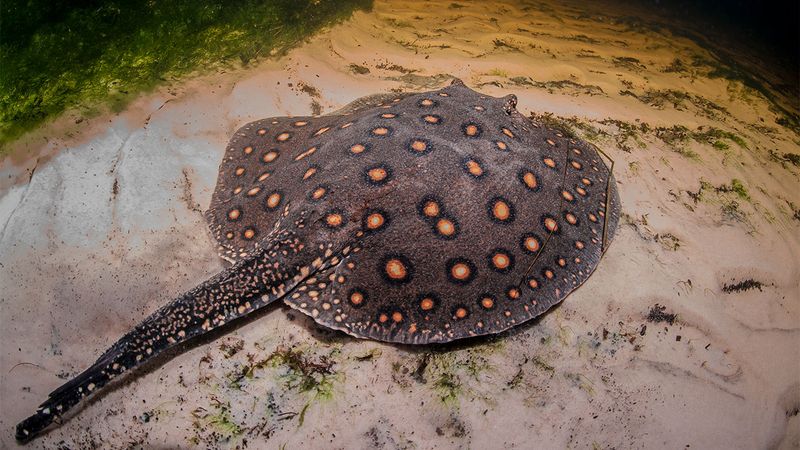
<point>245,287</point>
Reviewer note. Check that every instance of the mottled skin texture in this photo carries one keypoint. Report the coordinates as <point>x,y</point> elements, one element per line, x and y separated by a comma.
<point>425,218</point>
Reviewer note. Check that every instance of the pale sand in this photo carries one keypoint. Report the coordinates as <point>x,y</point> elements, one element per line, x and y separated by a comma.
<point>109,228</point>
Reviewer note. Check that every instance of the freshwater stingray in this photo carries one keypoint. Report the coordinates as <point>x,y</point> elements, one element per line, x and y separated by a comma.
<point>422,218</point>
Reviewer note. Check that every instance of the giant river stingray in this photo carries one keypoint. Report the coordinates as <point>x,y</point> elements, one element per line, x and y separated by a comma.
<point>410,218</point>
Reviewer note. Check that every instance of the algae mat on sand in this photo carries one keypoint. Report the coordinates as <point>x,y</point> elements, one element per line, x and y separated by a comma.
<point>62,55</point>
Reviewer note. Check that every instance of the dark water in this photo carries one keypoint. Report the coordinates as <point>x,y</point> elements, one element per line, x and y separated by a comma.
<point>765,30</point>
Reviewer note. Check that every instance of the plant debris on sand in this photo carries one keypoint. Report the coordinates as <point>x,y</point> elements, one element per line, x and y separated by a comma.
<point>658,313</point>
<point>742,286</point>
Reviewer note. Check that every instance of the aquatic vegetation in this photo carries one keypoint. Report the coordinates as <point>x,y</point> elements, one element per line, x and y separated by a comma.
<point>627,131</point>
<point>627,62</point>
<point>676,66</point>
<point>58,56</point>
<point>498,73</point>
<point>303,374</point>
<point>720,145</point>
<point>660,98</point>
<point>555,122</point>
<point>358,69</point>
<point>736,187</point>
<point>792,158</point>
<point>568,87</point>
<point>678,136</point>
<point>220,421</point>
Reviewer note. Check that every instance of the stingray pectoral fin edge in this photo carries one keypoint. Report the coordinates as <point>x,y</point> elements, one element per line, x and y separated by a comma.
<point>252,283</point>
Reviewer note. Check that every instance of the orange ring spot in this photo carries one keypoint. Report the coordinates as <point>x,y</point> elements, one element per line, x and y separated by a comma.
<point>419,146</point>
<point>501,210</point>
<point>501,145</point>
<point>581,191</point>
<point>571,218</point>
<point>533,283</point>
<point>508,132</point>
<point>567,196</point>
<point>531,244</point>
<point>273,200</point>
<point>460,271</point>
<point>234,214</point>
<point>431,209</point>
<point>380,131</point>
<point>377,174</point>
<point>530,180</point>
<point>318,193</point>
<point>426,304</point>
<point>579,245</point>
<point>333,220</point>
<point>549,274</point>
<point>396,270</point>
<point>229,235</point>
<point>249,233</point>
<point>270,156</point>
<point>513,293</point>
<point>487,302</point>
<point>358,148</point>
<point>576,165</point>
<point>397,317</point>
<point>471,130</point>
<point>461,313</point>
<point>550,163</point>
<point>426,102</point>
<point>550,224</point>
<point>501,260</point>
<point>375,221</point>
<point>383,318</point>
<point>445,227</point>
<point>474,168</point>
<point>248,150</point>
<point>356,298</point>
<point>431,119</point>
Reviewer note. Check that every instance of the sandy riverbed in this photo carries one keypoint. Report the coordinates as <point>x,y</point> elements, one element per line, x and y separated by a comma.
<point>686,335</point>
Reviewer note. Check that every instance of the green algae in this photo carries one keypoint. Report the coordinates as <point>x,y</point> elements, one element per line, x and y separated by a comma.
<point>57,56</point>
<point>218,420</point>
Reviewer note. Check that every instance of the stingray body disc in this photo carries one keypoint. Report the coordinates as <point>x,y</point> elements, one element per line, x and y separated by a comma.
<point>461,216</point>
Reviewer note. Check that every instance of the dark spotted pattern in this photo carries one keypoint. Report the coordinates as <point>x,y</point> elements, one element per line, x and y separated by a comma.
<point>425,218</point>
